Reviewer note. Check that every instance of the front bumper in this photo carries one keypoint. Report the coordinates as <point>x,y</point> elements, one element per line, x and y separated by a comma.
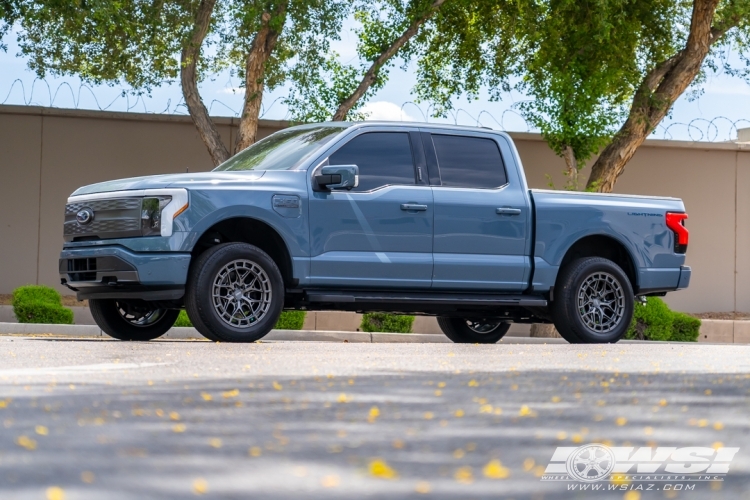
<point>112,272</point>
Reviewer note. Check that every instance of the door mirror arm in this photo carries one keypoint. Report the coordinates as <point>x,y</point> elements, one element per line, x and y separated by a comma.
<point>337,177</point>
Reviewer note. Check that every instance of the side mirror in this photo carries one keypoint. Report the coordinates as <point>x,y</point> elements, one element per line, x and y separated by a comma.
<point>338,177</point>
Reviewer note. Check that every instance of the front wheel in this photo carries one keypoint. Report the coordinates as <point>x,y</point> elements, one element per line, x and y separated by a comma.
<point>132,320</point>
<point>235,293</point>
<point>593,302</point>
<point>467,331</point>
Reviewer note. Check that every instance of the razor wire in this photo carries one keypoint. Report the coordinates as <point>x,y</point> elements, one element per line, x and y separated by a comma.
<point>717,129</point>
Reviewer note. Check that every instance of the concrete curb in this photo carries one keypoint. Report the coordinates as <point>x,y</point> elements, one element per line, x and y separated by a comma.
<point>86,331</point>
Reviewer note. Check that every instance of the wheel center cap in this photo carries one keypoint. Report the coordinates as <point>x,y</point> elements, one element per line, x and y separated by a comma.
<point>597,303</point>
<point>237,293</point>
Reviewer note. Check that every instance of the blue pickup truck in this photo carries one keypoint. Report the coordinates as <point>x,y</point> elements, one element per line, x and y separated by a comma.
<point>374,216</point>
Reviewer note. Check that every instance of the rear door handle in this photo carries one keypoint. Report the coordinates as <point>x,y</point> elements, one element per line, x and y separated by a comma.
<point>413,207</point>
<point>508,211</point>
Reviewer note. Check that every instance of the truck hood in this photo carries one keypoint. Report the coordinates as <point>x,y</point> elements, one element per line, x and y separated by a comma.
<point>170,180</point>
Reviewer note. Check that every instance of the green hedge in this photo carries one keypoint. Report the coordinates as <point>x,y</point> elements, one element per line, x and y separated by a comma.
<point>40,304</point>
<point>386,322</point>
<point>289,320</point>
<point>656,321</point>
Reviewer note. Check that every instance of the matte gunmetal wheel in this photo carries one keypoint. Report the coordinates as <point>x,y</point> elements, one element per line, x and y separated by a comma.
<point>593,301</point>
<point>235,293</point>
<point>132,320</point>
<point>469,331</point>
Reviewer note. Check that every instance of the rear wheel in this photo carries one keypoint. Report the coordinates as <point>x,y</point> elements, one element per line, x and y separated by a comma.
<point>235,293</point>
<point>469,331</point>
<point>132,320</point>
<point>593,302</point>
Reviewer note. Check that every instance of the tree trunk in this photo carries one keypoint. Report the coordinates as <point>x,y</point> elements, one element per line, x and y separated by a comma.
<point>189,81</point>
<point>571,166</point>
<point>658,91</point>
<point>261,49</point>
<point>372,72</point>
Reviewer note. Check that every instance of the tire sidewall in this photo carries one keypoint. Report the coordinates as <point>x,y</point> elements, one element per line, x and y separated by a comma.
<point>459,332</point>
<point>202,289</point>
<point>583,269</point>
<point>107,316</point>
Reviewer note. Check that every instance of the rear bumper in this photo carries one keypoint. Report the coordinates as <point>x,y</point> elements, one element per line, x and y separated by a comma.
<point>658,280</point>
<point>117,272</point>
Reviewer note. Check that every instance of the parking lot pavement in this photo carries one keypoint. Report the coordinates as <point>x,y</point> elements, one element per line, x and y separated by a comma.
<point>94,419</point>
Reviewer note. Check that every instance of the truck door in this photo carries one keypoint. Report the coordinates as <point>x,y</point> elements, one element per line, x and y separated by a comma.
<point>481,219</point>
<point>379,234</point>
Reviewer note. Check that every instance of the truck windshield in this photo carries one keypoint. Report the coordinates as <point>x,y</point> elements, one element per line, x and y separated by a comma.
<point>280,151</point>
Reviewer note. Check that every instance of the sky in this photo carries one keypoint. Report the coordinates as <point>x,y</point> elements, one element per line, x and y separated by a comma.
<point>714,116</point>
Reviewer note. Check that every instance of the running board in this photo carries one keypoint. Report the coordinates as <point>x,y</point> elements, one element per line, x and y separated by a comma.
<point>455,299</point>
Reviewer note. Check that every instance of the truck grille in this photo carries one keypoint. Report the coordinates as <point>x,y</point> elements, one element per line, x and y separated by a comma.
<point>114,218</point>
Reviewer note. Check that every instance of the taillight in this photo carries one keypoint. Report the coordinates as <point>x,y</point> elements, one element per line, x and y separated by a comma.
<point>675,222</point>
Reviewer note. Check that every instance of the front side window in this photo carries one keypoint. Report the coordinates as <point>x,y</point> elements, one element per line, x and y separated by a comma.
<point>283,150</point>
<point>383,158</point>
<point>469,162</point>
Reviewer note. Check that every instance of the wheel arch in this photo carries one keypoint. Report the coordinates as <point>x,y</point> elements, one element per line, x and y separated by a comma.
<point>242,229</point>
<point>605,246</point>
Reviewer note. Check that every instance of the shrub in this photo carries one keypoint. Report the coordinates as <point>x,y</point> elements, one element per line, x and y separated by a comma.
<point>40,304</point>
<point>685,328</point>
<point>656,321</point>
<point>652,321</point>
<point>289,320</point>
<point>386,322</point>
<point>183,320</point>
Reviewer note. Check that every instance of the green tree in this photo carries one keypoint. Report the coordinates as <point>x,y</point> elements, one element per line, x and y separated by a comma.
<point>147,43</point>
<point>388,29</point>
<point>701,30</point>
<point>8,13</point>
<point>582,64</point>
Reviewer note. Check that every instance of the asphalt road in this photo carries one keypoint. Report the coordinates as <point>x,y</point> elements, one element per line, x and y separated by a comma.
<point>98,419</point>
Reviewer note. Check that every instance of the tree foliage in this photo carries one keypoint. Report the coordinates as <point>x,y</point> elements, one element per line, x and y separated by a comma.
<point>147,43</point>
<point>388,31</point>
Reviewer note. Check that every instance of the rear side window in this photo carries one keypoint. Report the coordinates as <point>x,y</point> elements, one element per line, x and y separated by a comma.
<point>383,158</point>
<point>469,162</point>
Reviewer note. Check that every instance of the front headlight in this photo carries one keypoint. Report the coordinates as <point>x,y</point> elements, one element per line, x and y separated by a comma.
<point>159,209</point>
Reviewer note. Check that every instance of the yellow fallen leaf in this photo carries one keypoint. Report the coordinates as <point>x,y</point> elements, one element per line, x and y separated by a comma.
<point>576,438</point>
<point>179,428</point>
<point>206,396</point>
<point>524,411</point>
<point>632,495</point>
<point>234,393</point>
<point>173,415</point>
<point>87,477</point>
<point>379,468</point>
<point>562,435</point>
<point>464,475</point>
<point>621,421</point>
<point>343,398</point>
<point>215,442</point>
<point>423,487</point>
<point>255,451</point>
<point>4,403</point>
<point>662,402</point>
<point>485,409</point>
<point>428,415</point>
<point>556,399</point>
<point>330,481</point>
<point>26,442</point>
<point>398,444</point>
<point>41,430</point>
<point>718,426</point>
<point>529,464</point>
<point>473,383</point>
<point>277,386</point>
<point>55,493</point>
<point>441,384</point>
<point>374,413</point>
<point>438,393</point>
<point>495,470</point>
<point>459,453</point>
<point>459,413</point>
<point>200,486</point>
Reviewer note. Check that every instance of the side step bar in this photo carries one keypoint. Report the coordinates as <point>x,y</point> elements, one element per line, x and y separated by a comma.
<point>455,299</point>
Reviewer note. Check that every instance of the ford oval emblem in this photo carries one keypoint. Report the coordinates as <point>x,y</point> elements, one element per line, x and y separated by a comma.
<point>85,216</point>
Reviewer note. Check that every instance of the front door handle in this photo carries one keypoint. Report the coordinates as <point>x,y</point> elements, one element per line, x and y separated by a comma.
<point>508,211</point>
<point>413,207</point>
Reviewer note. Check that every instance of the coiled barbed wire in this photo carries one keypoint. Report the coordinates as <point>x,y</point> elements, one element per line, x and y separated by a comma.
<point>717,129</point>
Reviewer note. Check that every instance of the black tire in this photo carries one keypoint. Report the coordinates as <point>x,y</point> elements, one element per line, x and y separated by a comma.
<point>605,318</point>
<point>222,320</point>
<point>132,320</point>
<point>460,332</point>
